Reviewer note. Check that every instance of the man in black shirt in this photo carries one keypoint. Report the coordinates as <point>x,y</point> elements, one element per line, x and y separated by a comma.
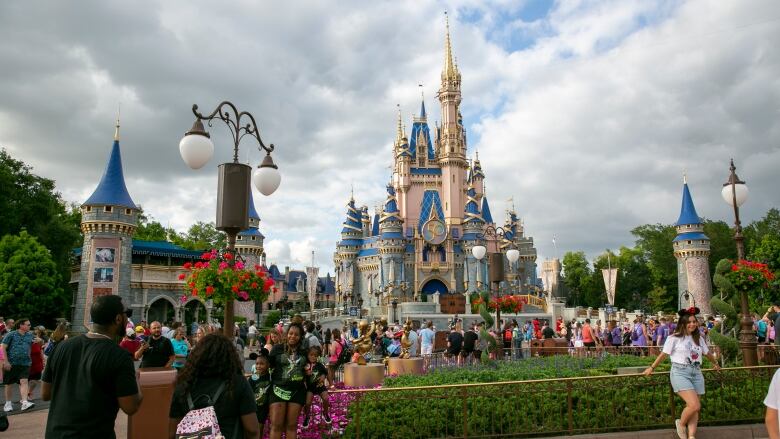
<point>89,378</point>
<point>156,351</point>
<point>547,331</point>
<point>469,339</point>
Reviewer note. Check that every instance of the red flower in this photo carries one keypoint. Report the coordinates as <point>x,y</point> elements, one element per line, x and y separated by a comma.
<point>228,256</point>
<point>182,276</point>
<point>268,284</point>
<point>254,285</point>
<point>209,290</point>
<point>234,288</point>
<point>187,265</point>
<point>206,256</point>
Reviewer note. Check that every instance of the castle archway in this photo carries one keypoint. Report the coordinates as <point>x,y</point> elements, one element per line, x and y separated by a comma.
<point>435,286</point>
<point>162,309</point>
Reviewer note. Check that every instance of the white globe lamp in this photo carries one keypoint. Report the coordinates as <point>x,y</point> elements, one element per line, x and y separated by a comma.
<point>267,177</point>
<point>196,147</point>
<point>478,251</point>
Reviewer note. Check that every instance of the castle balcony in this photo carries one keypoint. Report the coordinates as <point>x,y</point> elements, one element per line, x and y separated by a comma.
<point>145,275</point>
<point>434,267</point>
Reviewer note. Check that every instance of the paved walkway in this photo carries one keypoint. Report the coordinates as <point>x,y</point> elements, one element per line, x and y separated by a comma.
<point>32,425</point>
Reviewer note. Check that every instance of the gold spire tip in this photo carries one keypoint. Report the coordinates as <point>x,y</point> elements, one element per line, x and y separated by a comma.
<point>685,176</point>
<point>116,131</point>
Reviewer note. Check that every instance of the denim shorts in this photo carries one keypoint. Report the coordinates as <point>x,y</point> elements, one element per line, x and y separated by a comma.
<point>686,377</point>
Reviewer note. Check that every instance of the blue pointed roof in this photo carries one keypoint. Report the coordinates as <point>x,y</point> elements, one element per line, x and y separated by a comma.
<point>112,190</point>
<point>252,212</point>
<point>352,223</point>
<point>688,213</point>
<point>419,127</point>
<point>431,206</point>
<point>486,211</point>
<point>472,207</point>
<point>422,110</point>
<point>390,210</point>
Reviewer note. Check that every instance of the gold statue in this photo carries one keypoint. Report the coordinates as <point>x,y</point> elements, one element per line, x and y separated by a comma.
<point>363,343</point>
<point>405,343</point>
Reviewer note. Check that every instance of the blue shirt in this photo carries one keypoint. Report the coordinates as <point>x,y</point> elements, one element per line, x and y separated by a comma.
<point>17,348</point>
<point>179,348</point>
<point>426,336</point>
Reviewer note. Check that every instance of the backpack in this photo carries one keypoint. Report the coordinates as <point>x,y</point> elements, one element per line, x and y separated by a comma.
<point>200,423</point>
<point>635,333</point>
<point>345,356</point>
<point>507,335</point>
<point>49,349</point>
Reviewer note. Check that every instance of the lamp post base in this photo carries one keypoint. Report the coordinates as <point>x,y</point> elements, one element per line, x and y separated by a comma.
<point>748,344</point>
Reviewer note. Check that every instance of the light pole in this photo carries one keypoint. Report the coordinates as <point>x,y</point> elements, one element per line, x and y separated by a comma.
<point>495,263</point>
<point>233,188</point>
<point>735,193</point>
<point>395,309</point>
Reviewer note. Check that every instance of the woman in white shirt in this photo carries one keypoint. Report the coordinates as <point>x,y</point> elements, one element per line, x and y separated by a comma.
<point>685,348</point>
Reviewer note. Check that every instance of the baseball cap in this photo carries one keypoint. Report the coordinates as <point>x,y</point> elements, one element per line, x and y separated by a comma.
<point>139,328</point>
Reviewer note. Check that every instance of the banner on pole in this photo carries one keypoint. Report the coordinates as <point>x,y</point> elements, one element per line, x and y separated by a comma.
<point>311,277</point>
<point>610,282</point>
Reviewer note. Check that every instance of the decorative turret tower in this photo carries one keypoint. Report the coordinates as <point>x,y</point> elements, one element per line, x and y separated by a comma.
<point>249,242</point>
<point>692,250</point>
<point>108,221</point>
<point>473,223</point>
<point>450,141</point>
<point>478,176</point>
<point>391,244</point>
<point>347,250</point>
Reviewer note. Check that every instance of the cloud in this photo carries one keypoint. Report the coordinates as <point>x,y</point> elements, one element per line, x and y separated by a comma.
<point>586,112</point>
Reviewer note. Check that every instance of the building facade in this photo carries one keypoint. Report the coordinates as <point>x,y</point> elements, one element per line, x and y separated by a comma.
<point>436,210</point>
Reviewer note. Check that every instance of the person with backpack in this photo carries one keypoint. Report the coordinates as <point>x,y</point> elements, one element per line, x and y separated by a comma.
<point>639,336</point>
<point>507,338</point>
<point>517,340</point>
<point>211,394</point>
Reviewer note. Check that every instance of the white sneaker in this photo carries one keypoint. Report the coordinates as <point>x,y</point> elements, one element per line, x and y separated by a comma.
<point>680,429</point>
<point>8,407</point>
<point>26,405</point>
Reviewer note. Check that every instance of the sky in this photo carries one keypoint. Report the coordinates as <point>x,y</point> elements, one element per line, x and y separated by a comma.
<point>585,114</point>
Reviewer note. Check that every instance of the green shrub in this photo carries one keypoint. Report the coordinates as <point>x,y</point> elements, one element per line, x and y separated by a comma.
<point>272,318</point>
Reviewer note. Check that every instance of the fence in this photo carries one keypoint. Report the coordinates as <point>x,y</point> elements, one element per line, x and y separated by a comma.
<point>550,407</point>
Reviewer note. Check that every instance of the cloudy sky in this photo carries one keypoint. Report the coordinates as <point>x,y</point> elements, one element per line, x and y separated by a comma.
<point>586,113</point>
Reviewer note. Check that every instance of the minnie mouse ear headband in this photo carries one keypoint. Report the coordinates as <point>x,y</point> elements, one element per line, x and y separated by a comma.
<point>692,311</point>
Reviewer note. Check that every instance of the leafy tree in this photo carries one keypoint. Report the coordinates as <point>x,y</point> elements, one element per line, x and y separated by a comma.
<point>148,229</point>
<point>655,243</point>
<point>661,300</point>
<point>576,276</point>
<point>755,232</point>
<point>202,235</point>
<point>633,277</point>
<point>722,244</point>
<point>30,280</point>
<point>29,202</point>
<point>768,252</point>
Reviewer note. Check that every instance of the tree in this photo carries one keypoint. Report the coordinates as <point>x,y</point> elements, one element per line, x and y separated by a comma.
<point>755,232</point>
<point>633,277</point>
<point>29,202</point>
<point>576,276</point>
<point>201,236</point>
<point>658,299</point>
<point>148,229</point>
<point>655,243</point>
<point>768,252</point>
<point>722,244</point>
<point>30,280</point>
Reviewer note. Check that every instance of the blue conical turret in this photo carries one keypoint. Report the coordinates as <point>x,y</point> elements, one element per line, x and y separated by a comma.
<point>472,207</point>
<point>688,213</point>
<point>486,211</point>
<point>352,223</point>
<point>112,191</point>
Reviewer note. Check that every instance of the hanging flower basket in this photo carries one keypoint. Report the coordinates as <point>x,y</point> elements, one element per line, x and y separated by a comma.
<point>749,276</point>
<point>221,276</point>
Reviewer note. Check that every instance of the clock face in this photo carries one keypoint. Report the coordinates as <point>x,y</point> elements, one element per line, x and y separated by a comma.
<point>434,231</point>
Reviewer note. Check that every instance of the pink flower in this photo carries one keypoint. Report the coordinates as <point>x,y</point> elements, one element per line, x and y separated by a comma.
<point>183,298</point>
<point>223,265</point>
<point>239,265</point>
<point>243,295</point>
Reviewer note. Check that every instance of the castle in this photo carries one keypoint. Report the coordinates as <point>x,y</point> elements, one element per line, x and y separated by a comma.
<point>692,251</point>
<point>435,212</point>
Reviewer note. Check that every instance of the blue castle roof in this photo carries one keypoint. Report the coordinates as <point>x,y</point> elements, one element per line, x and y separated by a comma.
<point>352,223</point>
<point>252,211</point>
<point>112,190</point>
<point>486,211</point>
<point>421,126</point>
<point>688,213</point>
<point>472,209</point>
<point>693,236</point>
<point>422,109</point>
<point>430,203</point>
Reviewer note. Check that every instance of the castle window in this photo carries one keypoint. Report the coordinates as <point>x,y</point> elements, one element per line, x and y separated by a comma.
<point>128,211</point>
<point>238,238</point>
<point>702,241</point>
<point>107,208</point>
<point>690,242</point>
<point>254,237</point>
<point>89,209</point>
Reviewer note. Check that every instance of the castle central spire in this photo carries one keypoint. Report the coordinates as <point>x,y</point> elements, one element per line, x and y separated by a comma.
<point>450,71</point>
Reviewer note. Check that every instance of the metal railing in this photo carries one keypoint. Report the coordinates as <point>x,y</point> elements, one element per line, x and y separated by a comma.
<point>548,407</point>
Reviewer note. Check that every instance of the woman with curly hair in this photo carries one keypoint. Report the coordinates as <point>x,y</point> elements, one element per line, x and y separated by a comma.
<point>214,364</point>
<point>288,391</point>
<point>685,348</point>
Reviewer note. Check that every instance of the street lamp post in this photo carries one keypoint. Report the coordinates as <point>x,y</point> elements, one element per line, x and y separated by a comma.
<point>196,150</point>
<point>360,307</point>
<point>495,262</point>
<point>395,309</point>
<point>735,193</point>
